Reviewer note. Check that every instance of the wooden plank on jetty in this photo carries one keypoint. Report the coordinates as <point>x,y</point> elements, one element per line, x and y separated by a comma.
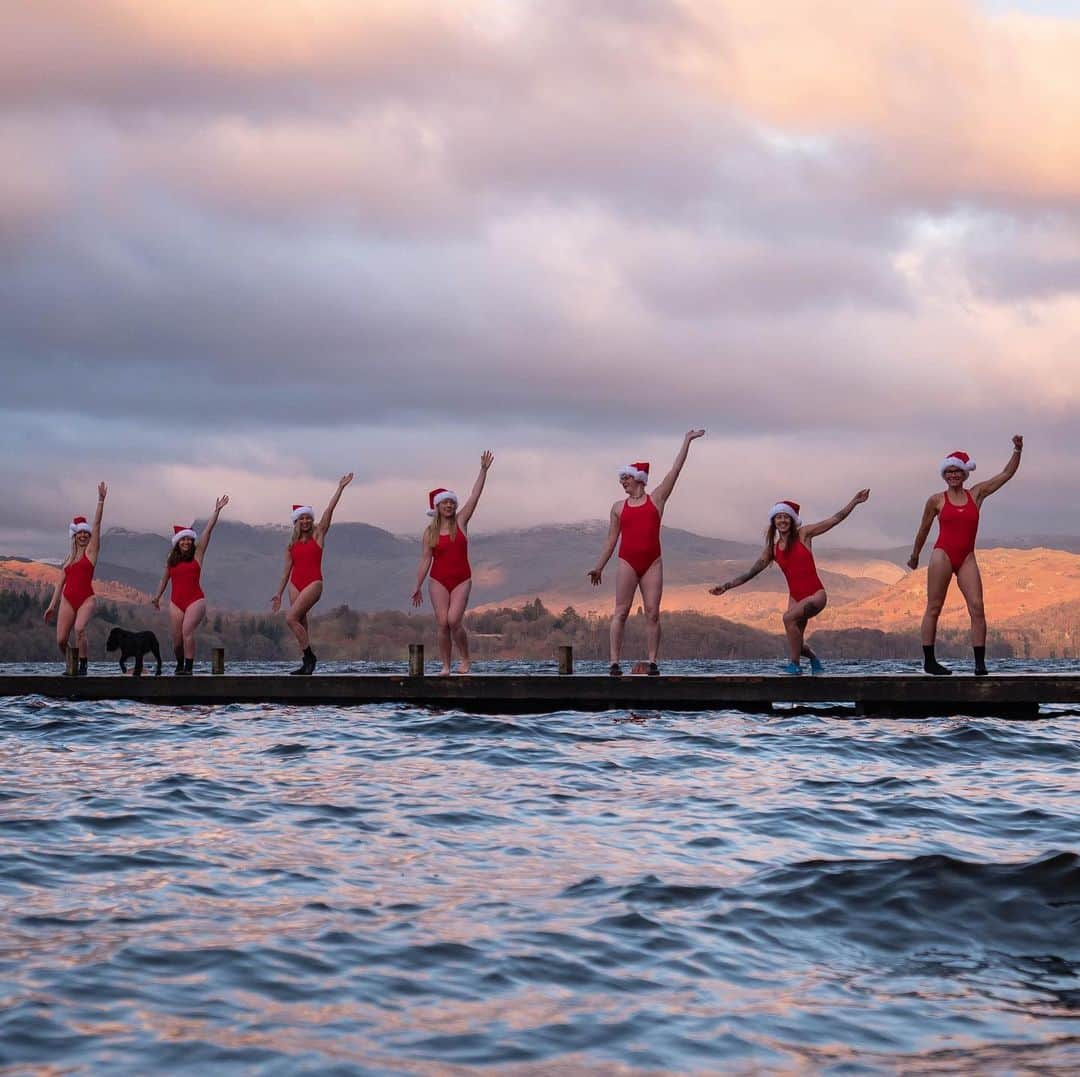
<point>1005,696</point>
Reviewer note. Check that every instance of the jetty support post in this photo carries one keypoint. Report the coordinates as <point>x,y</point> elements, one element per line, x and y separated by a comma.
<point>217,661</point>
<point>416,659</point>
<point>566,660</point>
<point>71,663</point>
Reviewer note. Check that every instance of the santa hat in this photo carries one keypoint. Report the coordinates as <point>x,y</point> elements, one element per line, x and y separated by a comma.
<point>79,524</point>
<point>957,459</point>
<point>441,494</point>
<point>791,508</point>
<point>638,470</point>
<point>302,510</point>
<point>180,531</point>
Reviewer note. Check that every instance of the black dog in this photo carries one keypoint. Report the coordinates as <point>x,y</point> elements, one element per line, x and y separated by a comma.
<point>134,645</point>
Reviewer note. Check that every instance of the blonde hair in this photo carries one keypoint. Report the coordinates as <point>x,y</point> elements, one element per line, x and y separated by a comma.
<point>431,532</point>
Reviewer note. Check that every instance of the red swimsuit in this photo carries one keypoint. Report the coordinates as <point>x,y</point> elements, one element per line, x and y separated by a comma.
<point>797,565</point>
<point>77,585</point>
<point>450,561</point>
<point>640,529</point>
<point>185,583</point>
<point>957,526</point>
<point>306,563</point>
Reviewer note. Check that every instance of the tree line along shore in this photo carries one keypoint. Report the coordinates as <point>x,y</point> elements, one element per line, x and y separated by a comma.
<point>528,632</point>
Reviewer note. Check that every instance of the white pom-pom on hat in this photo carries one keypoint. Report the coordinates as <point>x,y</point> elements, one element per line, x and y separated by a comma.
<point>791,508</point>
<point>959,459</point>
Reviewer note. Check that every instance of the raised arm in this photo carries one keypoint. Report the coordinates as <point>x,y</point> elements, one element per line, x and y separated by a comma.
<point>933,507</point>
<point>275,602</point>
<point>982,490</point>
<point>614,527</point>
<point>810,531</point>
<point>204,538</point>
<point>95,535</point>
<point>464,514</point>
<point>667,484</point>
<point>759,565</point>
<point>421,572</point>
<point>328,515</point>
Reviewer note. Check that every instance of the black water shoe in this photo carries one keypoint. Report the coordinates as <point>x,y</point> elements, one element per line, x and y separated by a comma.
<point>616,670</point>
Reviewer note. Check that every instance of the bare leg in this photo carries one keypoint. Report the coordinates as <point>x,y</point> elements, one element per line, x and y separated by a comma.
<point>193,617</point>
<point>300,602</point>
<point>938,577</point>
<point>65,621</point>
<point>82,619</point>
<point>459,599</point>
<point>652,590</point>
<point>796,617</point>
<point>626,584</point>
<point>969,581</point>
<point>176,629</point>
<point>440,603</point>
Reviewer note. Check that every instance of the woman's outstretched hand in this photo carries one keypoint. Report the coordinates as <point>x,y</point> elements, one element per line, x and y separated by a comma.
<point>692,434</point>
<point>417,597</point>
<point>861,496</point>
<point>595,577</point>
<point>720,588</point>
<point>487,458</point>
<point>913,561</point>
<point>344,481</point>
<point>275,603</point>
<point>221,502</point>
<point>102,489</point>
<point>1018,442</point>
<point>50,615</point>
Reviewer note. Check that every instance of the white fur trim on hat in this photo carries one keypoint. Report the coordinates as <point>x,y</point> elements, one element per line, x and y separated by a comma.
<point>965,463</point>
<point>787,509</point>
<point>302,510</point>
<point>443,495</point>
<point>79,524</point>
<point>184,532</point>
<point>628,471</point>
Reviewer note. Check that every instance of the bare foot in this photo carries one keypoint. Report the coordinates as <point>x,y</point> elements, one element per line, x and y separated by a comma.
<point>444,672</point>
<point>463,667</point>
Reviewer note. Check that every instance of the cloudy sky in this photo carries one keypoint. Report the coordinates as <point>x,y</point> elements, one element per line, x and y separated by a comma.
<point>246,247</point>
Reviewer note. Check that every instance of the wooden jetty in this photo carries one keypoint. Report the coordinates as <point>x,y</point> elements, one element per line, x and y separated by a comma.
<point>1005,696</point>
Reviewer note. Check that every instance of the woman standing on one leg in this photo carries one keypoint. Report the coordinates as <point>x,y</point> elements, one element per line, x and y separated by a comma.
<point>303,572</point>
<point>187,603</point>
<point>787,542</point>
<point>72,602</point>
<point>637,520</point>
<point>446,554</point>
<point>957,511</point>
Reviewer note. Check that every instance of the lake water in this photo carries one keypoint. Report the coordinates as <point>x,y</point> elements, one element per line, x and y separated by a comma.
<point>267,889</point>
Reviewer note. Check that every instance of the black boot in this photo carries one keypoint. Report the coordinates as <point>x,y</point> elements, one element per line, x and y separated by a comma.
<point>932,666</point>
<point>187,669</point>
<point>307,667</point>
<point>179,653</point>
<point>980,662</point>
<point>615,670</point>
<point>82,668</point>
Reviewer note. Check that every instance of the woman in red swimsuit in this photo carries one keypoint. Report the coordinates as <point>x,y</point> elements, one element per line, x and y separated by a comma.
<point>187,603</point>
<point>637,521</point>
<point>953,554</point>
<point>787,542</point>
<point>446,554</point>
<point>303,572</point>
<point>72,602</point>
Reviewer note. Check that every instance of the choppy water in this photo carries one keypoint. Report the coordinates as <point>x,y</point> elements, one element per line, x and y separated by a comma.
<point>383,890</point>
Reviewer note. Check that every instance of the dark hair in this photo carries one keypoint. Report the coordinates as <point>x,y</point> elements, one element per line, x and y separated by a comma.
<point>175,556</point>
